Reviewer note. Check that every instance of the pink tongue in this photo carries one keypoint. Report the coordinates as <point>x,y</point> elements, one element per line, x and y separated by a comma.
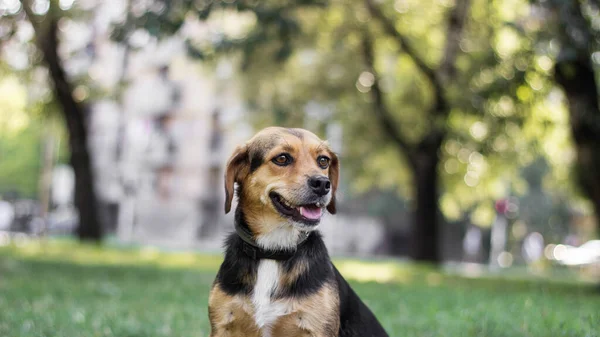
<point>312,213</point>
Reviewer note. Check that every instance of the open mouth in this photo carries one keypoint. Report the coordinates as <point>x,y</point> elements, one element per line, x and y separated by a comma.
<point>309,214</point>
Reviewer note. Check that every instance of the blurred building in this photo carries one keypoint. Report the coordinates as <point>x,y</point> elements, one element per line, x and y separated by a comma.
<point>160,139</point>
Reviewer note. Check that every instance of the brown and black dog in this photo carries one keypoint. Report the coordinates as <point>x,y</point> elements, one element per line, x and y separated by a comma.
<point>277,278</point>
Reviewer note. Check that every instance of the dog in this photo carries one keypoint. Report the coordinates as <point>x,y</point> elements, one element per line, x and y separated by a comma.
<point>277,278</point>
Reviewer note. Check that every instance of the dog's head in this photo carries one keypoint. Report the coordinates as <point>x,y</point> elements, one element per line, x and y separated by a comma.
<point>286,177</point>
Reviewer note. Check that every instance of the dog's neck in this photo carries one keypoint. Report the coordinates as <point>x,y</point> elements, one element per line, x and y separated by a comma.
<point>281,242</point>
<point>284,237</point>
<point>239,269</point>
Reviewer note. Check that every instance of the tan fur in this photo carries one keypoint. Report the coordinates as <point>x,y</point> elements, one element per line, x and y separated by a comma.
<point>288,279</point>
<point>230,316</point>
<point>315,315</point>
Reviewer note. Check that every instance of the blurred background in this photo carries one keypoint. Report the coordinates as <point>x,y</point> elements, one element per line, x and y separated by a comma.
<point>468,130</point>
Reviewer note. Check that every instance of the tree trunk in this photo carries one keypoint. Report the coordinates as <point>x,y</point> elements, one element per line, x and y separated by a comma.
<point>424,241</point>
<point>577,79</point>
<point>89,227</point>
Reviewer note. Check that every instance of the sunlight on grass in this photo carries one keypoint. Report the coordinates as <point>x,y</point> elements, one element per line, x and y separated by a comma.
<point>434,279</point>
<point>89,254</point>
<point>375,272</point>
<point>354,269</point>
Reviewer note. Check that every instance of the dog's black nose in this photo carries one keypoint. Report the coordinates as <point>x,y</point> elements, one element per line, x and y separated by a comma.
<point>319,184</point>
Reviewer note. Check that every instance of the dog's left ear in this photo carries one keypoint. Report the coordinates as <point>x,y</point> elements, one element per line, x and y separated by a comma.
<point>236,170</point>
<point>334,176</point>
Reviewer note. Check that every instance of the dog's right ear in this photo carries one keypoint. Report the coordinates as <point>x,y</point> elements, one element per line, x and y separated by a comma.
<point>237,168</point>
<point>334,177</point>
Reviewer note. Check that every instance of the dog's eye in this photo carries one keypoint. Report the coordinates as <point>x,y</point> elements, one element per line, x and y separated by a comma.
<point>283,159</point>
<point>323,162</point>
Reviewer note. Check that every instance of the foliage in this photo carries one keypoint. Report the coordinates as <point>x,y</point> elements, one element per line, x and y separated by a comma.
<point>506,111</point>
<point>20,162</point>
<point>304,67</point>
<point>271,23</point>
<point>68,289</point>
<point>27,108</point>
<point>19,141</point>
<point>23,124</point>
<point>570,38</point>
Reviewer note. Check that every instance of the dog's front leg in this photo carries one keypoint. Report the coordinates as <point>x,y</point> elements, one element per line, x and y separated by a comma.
<point>230,316</point>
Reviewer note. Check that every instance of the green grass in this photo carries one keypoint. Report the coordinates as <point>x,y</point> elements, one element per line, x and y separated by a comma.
<point>70,290</point>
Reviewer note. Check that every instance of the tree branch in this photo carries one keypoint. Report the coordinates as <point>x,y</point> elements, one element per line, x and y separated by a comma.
<point>390,29</point>
<point>447,68</point>
<point>443,74</point>
<point>380,108</point>
<point>456,23</point>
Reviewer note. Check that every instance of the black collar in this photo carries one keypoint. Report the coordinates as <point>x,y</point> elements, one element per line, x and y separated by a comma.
<point>251,248</point>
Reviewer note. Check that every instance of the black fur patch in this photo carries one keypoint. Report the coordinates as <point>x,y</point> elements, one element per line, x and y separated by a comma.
<point>235,269</point>
<point>257,153</point>
<point>319,271</point>
<point>256,162</point>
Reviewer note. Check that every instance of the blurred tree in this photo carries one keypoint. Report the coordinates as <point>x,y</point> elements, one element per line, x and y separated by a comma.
<point>574,26</point>
<point>422,155</point>
<point>46,27</point>
<point>502,113</point>
<point>459,89</point>
<point>277,29</point>
<point>461,99</point>
<point>334,73</point>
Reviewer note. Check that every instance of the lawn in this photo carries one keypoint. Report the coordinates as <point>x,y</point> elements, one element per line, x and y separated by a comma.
<point>70,290</point>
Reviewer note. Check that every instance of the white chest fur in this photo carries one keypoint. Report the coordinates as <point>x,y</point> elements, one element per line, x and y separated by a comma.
<point>267,310</point>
